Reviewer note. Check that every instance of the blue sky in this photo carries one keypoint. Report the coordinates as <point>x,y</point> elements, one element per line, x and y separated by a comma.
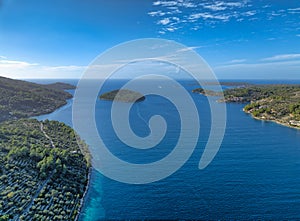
<point>239,39</point>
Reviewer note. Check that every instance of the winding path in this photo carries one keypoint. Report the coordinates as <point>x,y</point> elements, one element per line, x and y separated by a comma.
<point>46,135</point>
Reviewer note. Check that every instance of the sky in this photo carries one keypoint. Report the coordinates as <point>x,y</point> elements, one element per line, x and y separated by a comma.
<point>247,39</point>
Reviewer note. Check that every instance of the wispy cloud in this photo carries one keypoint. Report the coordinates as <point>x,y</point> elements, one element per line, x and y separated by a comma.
<point>236,61</point>
<point>195,13</point>
<point>250,13</point>
<point>13,63</point>
<point>282,57</point>
<point>165,3</point>
<point>164,21</point>
<point>262,70</point>
<point>208,16</point>
<point>156,13</point>
<point>294,9</point>
<point>65,68</point>
<point>221,6</point>
<point>24,69</point>
<point>180,3</point>
<point>189,48</point>
<point>215,7</point>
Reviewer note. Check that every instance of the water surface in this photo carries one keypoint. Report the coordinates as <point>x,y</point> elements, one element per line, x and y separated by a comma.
<point>255,175</point>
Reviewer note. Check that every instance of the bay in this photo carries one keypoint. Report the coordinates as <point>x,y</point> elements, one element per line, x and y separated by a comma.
<point>255,175</point>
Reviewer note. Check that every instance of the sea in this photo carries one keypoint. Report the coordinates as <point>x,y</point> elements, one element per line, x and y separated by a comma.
<point>254,176</point>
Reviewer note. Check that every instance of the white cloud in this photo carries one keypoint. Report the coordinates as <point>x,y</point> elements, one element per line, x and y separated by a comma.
<point>195,28</point>
<point>266,70</point>
<point>171,29</point>
<point>65,68</point>
<point>250,13</point>
<point>221,5</point>
<point>282,57</point>
<point>174,11</point>
<point>176,19</point>
<point>170,4</point>
<point>164,21</point>
<point>294,9</point>
<point>235,4</point>
<point>156,13</point>
<point>13,63</point>
<point>235,61</point>
<point>3,57</point>
<point>206,15</point>
<point>266,6</point>
<point>188,5</point>
<point>24,69</point>
<point>274,14</point>
<point>189,48</point>
<point>199,13</point>
<point>215,7</point>
<point>165,3</point>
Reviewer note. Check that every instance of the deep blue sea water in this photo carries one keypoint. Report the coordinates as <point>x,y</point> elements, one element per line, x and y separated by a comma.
<point>255,175</point>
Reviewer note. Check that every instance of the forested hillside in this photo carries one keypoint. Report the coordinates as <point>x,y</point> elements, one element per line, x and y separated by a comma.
<point>43,171</point>
<point>20,99</point>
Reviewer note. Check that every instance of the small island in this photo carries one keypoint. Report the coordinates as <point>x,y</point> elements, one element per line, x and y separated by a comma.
<point>123,95</point>
<point>277,103</point>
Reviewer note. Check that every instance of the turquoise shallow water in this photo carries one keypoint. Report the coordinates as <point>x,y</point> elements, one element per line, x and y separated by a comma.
<point>255,175</point>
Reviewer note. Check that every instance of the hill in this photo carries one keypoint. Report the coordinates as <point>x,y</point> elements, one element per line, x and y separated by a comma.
<point>278,103</point>
<point>19,99</point>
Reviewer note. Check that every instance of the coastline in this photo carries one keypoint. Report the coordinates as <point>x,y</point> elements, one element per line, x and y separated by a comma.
<point>82,201</point>
<point>59,108</point>
<point>285,124</point>
<point>273,121</point>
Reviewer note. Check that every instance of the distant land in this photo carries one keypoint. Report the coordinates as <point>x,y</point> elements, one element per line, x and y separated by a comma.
<point>123,95</point>
<point>225,83</point>
<point>19,99</point>
<point>278,103</point>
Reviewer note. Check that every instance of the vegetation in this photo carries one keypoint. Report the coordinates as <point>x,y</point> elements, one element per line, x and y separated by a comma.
<point>19,99</point>
<point>224,83</point>
<point>60,86</point>
<point>123,95</point>
<point>43,173</point>
<point>206,92</point>
<point>279,103</point>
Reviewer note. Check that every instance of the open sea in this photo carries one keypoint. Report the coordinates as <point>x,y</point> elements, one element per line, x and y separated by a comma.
<point>255,175</point>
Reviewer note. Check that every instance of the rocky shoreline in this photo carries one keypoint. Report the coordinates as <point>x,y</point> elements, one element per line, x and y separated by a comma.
<point>276,103</point>
<point>84,194</point>
<point>272,120</point>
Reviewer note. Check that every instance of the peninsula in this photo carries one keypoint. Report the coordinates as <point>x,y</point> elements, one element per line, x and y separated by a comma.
<point>123,95</point>
<point>277,103</point>
<point>44,166</point>
<point>44,172</point>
